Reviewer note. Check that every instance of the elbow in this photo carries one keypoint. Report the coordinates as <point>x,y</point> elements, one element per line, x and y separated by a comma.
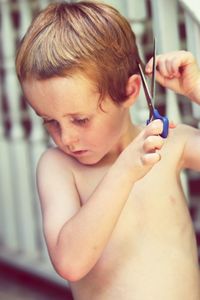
<point>70,275</point>
<point>70,272</point>
<point>72,265</point>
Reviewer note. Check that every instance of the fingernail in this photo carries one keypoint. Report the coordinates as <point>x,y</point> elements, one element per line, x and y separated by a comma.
<point>172,125</point>
<point>148,69</point>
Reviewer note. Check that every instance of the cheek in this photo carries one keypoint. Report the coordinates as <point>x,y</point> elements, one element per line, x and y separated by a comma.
<point>54,133</point>
<point>101,135</point>
<point>112,128</point>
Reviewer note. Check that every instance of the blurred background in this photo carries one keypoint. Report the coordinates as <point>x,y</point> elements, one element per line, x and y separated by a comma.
<point>25,269</point>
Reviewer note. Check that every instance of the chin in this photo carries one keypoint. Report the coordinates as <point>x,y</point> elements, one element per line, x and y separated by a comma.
<point>88,162</point>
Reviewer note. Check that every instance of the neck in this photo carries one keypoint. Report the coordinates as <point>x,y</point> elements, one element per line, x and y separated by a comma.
<point>128,135</point>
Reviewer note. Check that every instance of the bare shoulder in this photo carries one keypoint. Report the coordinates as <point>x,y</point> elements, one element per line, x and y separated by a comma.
<point>185,129</point>
<point>53,157</point>
<point>54,172</point>
<point>186,139</point>
<point>181,134</point>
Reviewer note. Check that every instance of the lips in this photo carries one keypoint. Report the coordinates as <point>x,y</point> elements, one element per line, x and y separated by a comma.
<point>79,152</point>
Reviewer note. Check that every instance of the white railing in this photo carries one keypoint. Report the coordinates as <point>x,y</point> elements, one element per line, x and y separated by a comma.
<point>21,239</point>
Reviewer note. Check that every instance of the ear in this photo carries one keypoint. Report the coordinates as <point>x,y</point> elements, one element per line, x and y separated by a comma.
<point>132,90</point>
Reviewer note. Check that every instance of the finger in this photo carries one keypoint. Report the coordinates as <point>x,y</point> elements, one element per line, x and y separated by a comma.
<point>172,124</point>
<point>173,66</point>
<point>153,143</point>
<point>151,158</point>
<point>161,67</point>
<point>154,128</point>
<point>184,58</point>
<point>149,67</point>
<point>171,71</point>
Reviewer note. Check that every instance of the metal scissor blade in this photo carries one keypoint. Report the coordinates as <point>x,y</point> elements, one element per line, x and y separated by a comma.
<point>146,91</point>
<point>153,81</point>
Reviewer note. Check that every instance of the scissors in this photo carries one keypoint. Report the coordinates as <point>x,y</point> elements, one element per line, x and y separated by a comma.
<point>153,113</point>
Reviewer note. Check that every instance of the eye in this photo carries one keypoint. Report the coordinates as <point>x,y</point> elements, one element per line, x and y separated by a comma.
<point>80,121</point>
<point>50,123</point>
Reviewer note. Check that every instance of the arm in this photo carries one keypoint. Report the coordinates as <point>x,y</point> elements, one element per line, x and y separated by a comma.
<point>191,154</point>
<point>75,235</point>
<point>179,71</point>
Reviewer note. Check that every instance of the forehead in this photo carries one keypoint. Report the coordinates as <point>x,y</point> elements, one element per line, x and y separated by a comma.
<point>70,93</point>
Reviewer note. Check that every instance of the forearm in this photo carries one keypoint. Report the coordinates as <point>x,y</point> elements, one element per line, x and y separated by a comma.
<point>194,94</point>
<point>83,238</point>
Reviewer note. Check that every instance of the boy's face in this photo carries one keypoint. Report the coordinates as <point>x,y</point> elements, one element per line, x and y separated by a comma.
<point>72,116</point>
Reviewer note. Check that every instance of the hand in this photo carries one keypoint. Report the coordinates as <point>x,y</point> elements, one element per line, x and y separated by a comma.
<point>143,152</point>
<point>178,71</point>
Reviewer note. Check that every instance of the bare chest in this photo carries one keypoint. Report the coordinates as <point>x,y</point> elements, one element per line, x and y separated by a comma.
<point>153,236</point>
<point>156,206</point>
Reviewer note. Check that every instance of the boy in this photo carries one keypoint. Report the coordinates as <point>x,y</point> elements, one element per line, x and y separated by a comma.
<point>115,218</point>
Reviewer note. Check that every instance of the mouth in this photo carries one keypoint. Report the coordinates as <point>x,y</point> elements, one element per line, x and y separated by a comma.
<point>79,152</point>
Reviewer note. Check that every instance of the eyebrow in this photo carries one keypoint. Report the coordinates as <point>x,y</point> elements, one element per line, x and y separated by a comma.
<point>65,115</point>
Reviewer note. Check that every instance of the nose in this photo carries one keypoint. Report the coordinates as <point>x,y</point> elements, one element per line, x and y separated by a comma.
<point>69,137</point>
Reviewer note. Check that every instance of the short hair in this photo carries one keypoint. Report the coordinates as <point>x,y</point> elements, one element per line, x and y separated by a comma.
<point>86,36</point>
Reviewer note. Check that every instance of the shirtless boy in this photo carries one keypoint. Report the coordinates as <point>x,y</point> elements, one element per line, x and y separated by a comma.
<point>115,217</point>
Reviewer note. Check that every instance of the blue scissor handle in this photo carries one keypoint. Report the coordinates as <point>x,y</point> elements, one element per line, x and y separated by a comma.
<point>165,121</point>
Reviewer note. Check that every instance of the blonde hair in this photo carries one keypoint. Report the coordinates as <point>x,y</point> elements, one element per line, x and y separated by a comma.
<point>86,36</point>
